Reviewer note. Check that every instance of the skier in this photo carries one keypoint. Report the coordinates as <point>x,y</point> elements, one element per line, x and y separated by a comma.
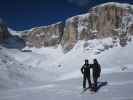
<point>96,73</point>
<point>86,74</point>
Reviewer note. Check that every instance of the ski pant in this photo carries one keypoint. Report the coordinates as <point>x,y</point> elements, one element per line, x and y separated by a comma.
<point>84,81</point>
<point>95,82</point>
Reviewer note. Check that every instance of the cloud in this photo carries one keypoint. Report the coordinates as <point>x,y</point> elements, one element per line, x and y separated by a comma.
<point>79,2</point>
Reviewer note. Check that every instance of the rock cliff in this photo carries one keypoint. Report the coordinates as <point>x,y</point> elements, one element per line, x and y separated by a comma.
<point>4,33</point>
<point>106,20</point>
<point>44,36</point>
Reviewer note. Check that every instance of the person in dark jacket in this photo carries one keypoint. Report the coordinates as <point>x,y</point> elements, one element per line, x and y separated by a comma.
<point>86,74</point>
<point>96,73</point>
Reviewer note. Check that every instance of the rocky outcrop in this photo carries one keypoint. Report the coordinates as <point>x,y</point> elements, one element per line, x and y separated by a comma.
<point>44,36</point>
<point>69,37</point>
<point>4,33</point>
<point>106,20</point>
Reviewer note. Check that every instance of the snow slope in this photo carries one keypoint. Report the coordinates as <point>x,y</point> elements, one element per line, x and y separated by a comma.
<point>14,33</point>
<point>12,73</point>
<point>17,74</point>
<point>53,60</point>
<point>58,76</point>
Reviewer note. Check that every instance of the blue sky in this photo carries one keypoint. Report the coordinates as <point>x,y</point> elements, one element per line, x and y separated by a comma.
<point>25,14</point>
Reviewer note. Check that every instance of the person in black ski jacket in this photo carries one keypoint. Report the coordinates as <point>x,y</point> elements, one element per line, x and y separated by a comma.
<point>86,74</point>
<point>96,72</point>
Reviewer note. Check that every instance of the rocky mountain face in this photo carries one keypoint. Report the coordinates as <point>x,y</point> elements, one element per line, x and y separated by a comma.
<point>4,33</point>
<point>44,36</point>
<point>9,40</point>
<point>107,20</point>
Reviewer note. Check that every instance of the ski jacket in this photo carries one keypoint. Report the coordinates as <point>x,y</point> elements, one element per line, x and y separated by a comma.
<point>96,70</point>
<point>85,70</point>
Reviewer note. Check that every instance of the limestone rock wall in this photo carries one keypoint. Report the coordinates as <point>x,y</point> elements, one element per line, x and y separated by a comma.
<point>107,20</point>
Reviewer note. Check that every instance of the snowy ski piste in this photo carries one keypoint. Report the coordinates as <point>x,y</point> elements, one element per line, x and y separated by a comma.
<point>39,75</point>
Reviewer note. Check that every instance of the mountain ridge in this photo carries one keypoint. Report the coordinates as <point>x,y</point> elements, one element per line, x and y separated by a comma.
<point>115,17</point>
